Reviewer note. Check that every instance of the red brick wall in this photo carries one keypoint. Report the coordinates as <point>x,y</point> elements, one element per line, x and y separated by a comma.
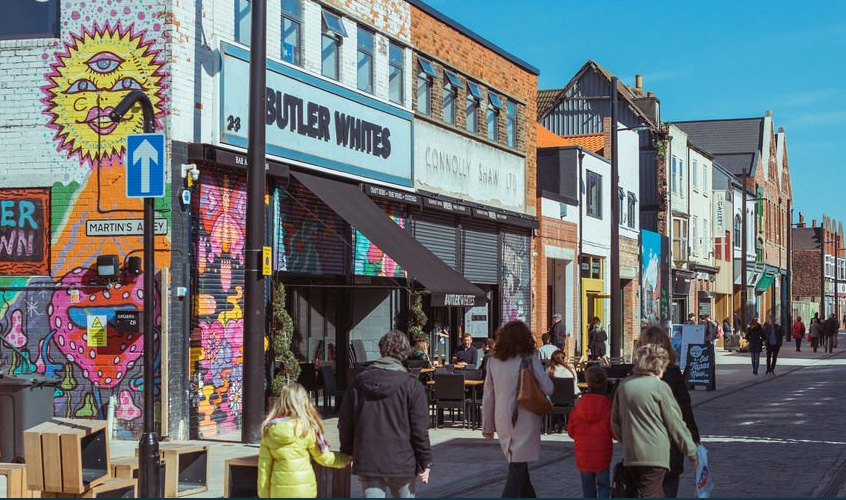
<point>560,234</point>
<point>807,273</point>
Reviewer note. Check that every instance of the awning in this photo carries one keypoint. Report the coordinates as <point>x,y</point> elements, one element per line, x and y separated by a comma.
<point>765,282</point>
<point>447,286</point>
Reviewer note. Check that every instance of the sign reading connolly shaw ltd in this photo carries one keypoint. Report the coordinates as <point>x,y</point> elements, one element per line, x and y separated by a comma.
<point>454,165</point>
<point>316,121</point>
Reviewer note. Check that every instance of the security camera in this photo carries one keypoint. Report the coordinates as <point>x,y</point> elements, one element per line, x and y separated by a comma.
<point>191,169</point>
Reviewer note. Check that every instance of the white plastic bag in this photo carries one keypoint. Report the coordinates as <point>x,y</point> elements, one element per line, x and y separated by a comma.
<point>703,477</point>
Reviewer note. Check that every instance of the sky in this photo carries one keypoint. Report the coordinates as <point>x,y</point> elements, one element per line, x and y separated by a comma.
<point>703,60</point>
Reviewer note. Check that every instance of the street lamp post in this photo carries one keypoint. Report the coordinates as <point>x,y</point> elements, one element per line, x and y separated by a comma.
<point>616,301</point>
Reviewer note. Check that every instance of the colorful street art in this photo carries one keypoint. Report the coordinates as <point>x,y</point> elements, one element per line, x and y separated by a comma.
<point>217,339</point>
<point>24,232</point>
<point>369,260</point>
<point>107,49</point>
<point>515,281</point>
<point>654,303</point>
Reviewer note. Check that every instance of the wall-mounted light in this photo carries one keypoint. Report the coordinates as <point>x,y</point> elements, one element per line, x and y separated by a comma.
<point>133,265</point>
<point>107,266</point>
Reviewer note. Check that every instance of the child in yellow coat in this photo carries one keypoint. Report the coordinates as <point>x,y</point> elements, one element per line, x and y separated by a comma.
<point>292,435</point>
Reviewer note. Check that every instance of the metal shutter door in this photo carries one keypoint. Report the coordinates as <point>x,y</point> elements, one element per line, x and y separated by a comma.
<point>438,233</point>
<point>481,258</point>
<point>217,325</point>
<point>515,278</point>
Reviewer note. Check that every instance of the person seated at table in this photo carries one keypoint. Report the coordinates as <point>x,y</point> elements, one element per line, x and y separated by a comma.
<point>545,351</point>
<point>421,351</point>
<point>560,367</point>
<point>466,354</point>
<point>487,352</point>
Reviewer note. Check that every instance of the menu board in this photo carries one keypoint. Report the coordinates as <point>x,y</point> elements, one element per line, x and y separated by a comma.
<point>701,369</point>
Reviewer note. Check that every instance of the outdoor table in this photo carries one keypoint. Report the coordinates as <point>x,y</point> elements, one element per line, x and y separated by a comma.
<point>427,370</point>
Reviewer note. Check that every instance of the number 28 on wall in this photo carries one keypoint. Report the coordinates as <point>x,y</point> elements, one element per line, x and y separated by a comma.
<point>233,123</point>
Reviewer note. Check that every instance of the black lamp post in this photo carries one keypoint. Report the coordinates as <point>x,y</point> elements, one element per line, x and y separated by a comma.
<point>149,468</point>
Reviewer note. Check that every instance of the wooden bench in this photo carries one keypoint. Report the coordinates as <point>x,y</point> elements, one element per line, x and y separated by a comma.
<point>187,470</point>
<point>110,488</point>
<point>16,486</point>
<point>241,479</point>
<point>66,455</point>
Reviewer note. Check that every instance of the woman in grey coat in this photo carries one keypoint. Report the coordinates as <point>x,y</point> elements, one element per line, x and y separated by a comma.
<point>518,429</point>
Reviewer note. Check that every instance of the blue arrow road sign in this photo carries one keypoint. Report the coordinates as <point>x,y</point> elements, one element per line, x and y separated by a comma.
<point>145,166</point>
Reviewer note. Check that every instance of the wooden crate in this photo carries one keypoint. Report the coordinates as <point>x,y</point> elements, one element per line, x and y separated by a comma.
<point>67,455</point>
<point>240,477</point>
<point>127,468</point>
<point>16,486</point>
<point>188,468</point>
<point>333,483</point>
<point>110,488</point>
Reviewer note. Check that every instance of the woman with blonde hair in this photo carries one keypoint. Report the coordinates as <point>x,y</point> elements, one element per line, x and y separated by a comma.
<point>646,418</point>
<point>292,435</point>
<point>673,377</point>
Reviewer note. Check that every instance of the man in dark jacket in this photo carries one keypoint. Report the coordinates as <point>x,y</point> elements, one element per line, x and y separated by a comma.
<point>830,328</point>
<point>773,338</point>
<point>384,424</point>
<point>755,338</point>
<point>558,333</point>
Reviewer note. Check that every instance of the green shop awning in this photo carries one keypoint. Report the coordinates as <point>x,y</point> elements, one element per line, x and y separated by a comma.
<point>765,282</point>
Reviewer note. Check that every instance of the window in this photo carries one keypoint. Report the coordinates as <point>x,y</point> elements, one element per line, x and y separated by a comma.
<point>494,107</point>
<point>291,40</point>
<point>451,86</point>
<point>675,174</point>
<point>622,207</point>
<point>474,97</point>
<point>511,124</point>
<point>694,176</point>
<point>333,34</point>
<point>30,19</point>
<point>759,250</point>
<point>679,240</point>
<point>694,225</point>
<point>396,73</point>
<point>364,65</point>
<point>594,194</point>
<point>706,238</point>
<point>631,218</point>
<point>562,210</point>
<point>738,227</point>
<point>682,186</point>
<point>705,179</point>
<point>592,267</point>
<point>243,20</point>
<point>424,86</point>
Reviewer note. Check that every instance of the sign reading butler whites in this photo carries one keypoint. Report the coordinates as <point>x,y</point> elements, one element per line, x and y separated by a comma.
<point>25,231</point>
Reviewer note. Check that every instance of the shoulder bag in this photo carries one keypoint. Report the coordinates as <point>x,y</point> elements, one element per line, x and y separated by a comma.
<point>530,396</point>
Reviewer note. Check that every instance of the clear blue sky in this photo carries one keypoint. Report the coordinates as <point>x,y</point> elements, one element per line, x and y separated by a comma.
<point>703,60</point>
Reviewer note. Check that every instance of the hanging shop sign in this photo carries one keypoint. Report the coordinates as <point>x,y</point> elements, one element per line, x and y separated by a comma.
<point>454,165</point>
<point>384,193</point>
<point>719,213</point>
<point>315,121</point>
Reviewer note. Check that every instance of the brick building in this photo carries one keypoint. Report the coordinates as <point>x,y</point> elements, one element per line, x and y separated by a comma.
<point>818,268</point>
<point>347,83</point>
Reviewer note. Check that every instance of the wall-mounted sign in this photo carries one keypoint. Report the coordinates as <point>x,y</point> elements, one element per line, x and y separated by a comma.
<point>127,321</point>
<point>24,231</point>
<point>96,330</point>
<point>267,261</point>
<point>392,194</point>
<point>316,121</point>
<point>122,227</point>
<point>446,206</point>
<point>719,213</point>
<point>458,166</point>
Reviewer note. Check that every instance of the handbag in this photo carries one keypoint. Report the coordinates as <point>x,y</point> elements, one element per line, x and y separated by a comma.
<point>622,485</point>
<point>529,395</point>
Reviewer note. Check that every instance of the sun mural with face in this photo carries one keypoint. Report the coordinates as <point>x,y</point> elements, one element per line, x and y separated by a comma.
<point>97,69</point>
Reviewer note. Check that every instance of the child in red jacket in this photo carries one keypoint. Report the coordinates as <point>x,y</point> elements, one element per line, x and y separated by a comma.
<point>590,428</point>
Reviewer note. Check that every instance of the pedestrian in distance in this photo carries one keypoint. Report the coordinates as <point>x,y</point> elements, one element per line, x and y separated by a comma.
<point>798,333</point>
<point>487,352</point>
<point>830,328</point>
<point>691,319</point>
<point>384,424</point>
<point>518,429</point>
<point>545,351</point>
<point>674,378</point>
<point>596,340</point>
<point>755,340</point>
<point>291,437</point>
<point>589,426</point>
<point>816,333</point>
<point>558,332</point>
<point>646,418</point>
<point>773,341</point>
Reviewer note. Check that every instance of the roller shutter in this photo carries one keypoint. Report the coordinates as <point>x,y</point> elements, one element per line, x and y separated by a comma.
<point>439,234</point>
<point>515,276</point>
<point>481,259</point>
<point>217,321</point>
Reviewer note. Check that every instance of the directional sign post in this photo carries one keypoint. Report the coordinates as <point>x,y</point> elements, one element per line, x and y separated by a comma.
<point>145,166</point>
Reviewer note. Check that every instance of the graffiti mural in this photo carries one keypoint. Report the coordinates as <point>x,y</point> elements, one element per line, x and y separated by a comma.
<point>217,340</point>
<point>107,49</point>
<point>369,260</point>
<point>515,280</point>
<point>24,231</point>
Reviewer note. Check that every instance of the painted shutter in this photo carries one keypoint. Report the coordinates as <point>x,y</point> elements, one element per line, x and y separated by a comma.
<point>438,233</point>
<point>481,261</point>
<point>217,323</point>
<point>515,277</point>
<point>368,259</point>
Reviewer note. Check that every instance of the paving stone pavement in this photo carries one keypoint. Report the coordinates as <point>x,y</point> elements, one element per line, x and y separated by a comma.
<point>767,436</point>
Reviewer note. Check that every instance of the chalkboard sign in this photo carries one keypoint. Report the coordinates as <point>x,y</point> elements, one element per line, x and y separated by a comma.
<point>701,369</point>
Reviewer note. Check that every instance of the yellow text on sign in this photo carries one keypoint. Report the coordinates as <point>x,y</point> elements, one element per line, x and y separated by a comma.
<point>267,261</point>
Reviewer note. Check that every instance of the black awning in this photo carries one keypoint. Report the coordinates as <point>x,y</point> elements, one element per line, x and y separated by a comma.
<point>447,286</point>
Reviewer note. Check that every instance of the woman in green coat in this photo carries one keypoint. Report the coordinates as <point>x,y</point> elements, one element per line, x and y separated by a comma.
<point>292,435</point>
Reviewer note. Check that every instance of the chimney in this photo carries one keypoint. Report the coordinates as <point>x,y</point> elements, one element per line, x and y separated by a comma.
<point>801,220</point>
<point>781,130</point>
<point>650,94</point>
<point>769,113</point>
<point>814,223</point>
<point>639,82</point>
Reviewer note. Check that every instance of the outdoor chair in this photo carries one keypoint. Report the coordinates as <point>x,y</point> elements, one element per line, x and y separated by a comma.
<point>416,363</point>
<point>563,400</point>
<point>330,388</point>
<point>449,395</point>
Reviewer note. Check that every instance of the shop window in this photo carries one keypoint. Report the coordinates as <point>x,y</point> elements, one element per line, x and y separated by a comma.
<point>396,72</point>
<point>451,86</point>
<point>594,194</point>
<point>243,20</point>
<point>333,34</point>
<point>364,65</point>
<point>511,124</point>
<point>291,38</point>
<point>424,86</point>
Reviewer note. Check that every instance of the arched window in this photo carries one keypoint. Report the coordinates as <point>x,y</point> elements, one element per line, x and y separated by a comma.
<point>738,227</point>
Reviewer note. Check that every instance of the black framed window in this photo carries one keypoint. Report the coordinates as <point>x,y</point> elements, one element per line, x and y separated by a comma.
<point>738,227</point>
<point>450,93</point>
<point>632,202</point>
<point>29,19</point>
<point>291,31</point>
<point>330,55</point>
<point>364,65</point>
<point>424,86</point>
<point>396,73</point>
<point>511,124</point>
<point>594,194</point>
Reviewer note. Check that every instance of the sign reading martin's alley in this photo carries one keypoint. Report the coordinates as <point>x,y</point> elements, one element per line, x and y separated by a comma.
<point>701,369</point>
<point>316,121</point>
